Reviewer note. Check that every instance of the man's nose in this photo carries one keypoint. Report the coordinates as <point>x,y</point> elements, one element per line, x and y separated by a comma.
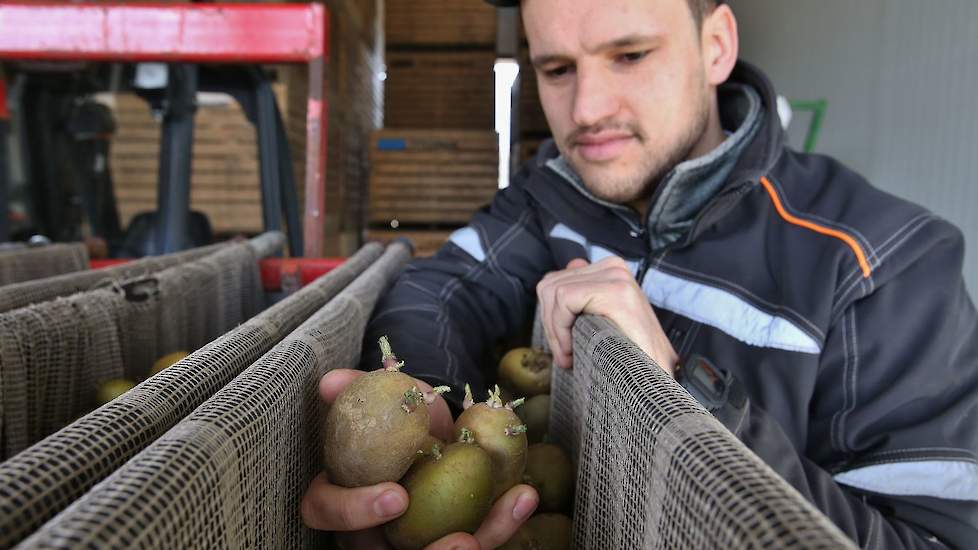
<point>595,99</point>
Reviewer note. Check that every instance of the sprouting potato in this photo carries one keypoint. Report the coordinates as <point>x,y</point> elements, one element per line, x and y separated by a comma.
<point>376,426</point>
<point>500,432</point>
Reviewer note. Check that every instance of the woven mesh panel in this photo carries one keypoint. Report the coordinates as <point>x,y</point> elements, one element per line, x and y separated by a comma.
<point>31,292</point>
<point>27,264</point>
<point>232,473</point>
<point>656,470</point>
<point>52,358</point>
<point>44,479</point>
<point>55,354</point>
<point>188,305</point>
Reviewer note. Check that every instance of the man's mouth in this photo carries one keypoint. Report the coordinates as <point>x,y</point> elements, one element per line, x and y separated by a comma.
<point>602,147</point>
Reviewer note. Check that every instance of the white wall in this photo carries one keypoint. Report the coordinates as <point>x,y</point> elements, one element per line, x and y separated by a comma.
<point>901,78</point>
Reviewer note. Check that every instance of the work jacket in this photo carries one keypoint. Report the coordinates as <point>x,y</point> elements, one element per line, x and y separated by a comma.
<point>840,309</point>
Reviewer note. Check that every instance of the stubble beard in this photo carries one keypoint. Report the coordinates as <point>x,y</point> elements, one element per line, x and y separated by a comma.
<point>640,184</point>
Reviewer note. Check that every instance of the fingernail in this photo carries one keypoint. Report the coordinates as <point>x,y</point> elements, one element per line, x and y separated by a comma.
<point>525,505</point>
<point>389,504</point>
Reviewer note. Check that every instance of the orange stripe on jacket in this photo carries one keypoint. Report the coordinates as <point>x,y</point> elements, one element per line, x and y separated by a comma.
<point>860,255</point>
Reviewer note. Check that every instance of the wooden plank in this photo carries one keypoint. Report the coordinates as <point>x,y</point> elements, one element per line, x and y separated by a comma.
<point>425,242</point>
<point>459,193</point>
<point>439,89</point>
<point>197,195</point>
<point>435,156</point>
<point>462,170</point>
<point>422,186</point>
<point>420,139</point>
<point>426,217</point>
<point>439,22</point>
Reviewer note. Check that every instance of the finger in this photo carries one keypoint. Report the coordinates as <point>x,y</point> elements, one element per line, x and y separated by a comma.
<point>333,508</point>
<point>440,422</point>
<point>506,516</point>
<point>455,541</point>
<point>545,290</point>
<point>577,263</point>
<point>571,300</point>
<point>370,539</point>
<point>333,382</point>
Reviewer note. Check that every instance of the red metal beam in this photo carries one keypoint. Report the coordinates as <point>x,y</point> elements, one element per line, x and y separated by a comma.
<point>251,33</point>
<point>4,113</point>
<point>260,33</point>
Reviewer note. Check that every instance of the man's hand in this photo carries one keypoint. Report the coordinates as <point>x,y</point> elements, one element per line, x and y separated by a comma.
<point>358,512</point>
<point>605,288</point>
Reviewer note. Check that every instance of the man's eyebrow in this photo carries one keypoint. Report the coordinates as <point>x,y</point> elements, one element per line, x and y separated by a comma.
<point>618,43</point>
<point>626,41</point>
<point>546,59</point>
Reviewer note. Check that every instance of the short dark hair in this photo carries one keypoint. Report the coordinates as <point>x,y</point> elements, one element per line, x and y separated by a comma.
<point>702,8</point>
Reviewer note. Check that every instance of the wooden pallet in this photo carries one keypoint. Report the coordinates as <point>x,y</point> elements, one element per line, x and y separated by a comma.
<point>431,176</point>
<point>426,89</point>
<point>440,22</point>
<point>224,177</point>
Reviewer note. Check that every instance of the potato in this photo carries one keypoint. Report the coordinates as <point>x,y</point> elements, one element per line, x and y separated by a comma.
<point>542,532</point>
<point>448,492</point>
<point>550,472</point>
<point>526,370</point>
<point>535,413</point>
<point>501,433</point>
<point>376,426</point>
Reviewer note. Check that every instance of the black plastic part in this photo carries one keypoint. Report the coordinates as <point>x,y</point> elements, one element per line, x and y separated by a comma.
<point>176,154</point>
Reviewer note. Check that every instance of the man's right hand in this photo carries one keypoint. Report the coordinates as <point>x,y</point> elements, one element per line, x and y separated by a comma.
<point>357,513</point>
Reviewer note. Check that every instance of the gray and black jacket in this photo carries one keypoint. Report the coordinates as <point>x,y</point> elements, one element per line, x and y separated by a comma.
<point>839,308</point>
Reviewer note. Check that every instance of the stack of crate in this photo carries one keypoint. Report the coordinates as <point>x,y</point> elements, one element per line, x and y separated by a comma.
<point>225,177</point>
<point>436,160</point>
<point>423,177</point>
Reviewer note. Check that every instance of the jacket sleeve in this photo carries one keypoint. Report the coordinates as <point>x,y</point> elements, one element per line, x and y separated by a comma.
<point>445,314</point>
<point>897,391</point>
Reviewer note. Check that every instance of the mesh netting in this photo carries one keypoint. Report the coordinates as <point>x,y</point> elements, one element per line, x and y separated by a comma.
<point>31,292</point>
<point>27,264</point>
<point>54,355</point>
<point>232,473</point>
<point>656,470</point>
<point>42,480</point>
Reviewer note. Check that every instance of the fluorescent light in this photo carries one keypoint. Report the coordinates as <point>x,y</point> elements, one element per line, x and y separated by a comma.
<point>506,71</point>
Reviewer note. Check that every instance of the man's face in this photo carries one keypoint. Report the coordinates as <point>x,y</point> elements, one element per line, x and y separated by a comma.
<point>623,87</point>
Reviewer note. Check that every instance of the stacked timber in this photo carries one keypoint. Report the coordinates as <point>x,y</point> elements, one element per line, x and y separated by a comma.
<point>224,179</point>
<point>424,183</point>
<point>415,22</point>
<point>436,161</point>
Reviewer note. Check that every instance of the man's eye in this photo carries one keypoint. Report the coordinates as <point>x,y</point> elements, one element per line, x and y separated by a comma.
<point>557,72</point>
<point>632,57</point>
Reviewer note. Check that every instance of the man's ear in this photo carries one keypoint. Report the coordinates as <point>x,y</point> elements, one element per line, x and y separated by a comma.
<point>720,44</point>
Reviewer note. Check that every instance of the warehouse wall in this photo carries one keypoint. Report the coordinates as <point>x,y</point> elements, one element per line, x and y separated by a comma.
<point>900,77</point>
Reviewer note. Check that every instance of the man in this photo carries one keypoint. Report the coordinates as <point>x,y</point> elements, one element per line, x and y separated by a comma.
<point>839,309</point>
